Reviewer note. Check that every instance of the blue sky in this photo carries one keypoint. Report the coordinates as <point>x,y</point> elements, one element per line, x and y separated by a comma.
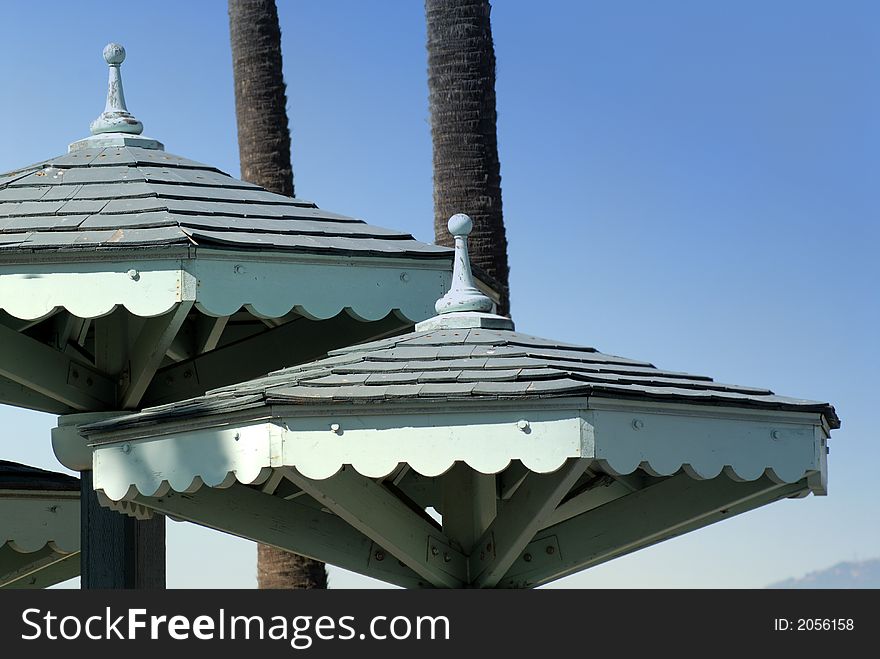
<point>690,183</point>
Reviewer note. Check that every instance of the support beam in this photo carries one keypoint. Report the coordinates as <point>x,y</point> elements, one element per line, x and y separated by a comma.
<point>53,374</point>
<point>148,351</point>
<point>674,506</point>
<point>44,569</point>
<point>304,530</point>
<point>208,332</point>
<point>607,489</point>
<point>20,324</point>
<point>118,551</point>
<point>112,341</point>
<point>511,478</point>
<point>65,326</point>
<point>632,482</point>
<point>390,523</point>
<point>293,343</point>
<point>17,395</point>
<point>469,504</point>
<point>526,512</point>
<point>424,491</point>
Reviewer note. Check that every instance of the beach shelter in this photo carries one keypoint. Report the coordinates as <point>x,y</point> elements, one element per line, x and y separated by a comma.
<point>131,277</point>
<point>464,454</point>
<point>39,526</point>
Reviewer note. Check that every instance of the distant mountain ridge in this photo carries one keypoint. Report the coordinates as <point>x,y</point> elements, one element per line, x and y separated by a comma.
<point>855,574</point>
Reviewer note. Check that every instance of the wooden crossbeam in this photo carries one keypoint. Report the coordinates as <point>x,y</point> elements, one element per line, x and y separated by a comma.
<point>511,478</point>
<point>208,332</point>
<point>53,374</point>
<point>41,569</point>
<point>661,511</point>
<point>148,351</point>
<point>292,343</point>
<point>468,504</point>
<point>17,395</point>
<point>305,530</point>
<point>527,511</point>
<point>602,493</point>
<point>390,523</point>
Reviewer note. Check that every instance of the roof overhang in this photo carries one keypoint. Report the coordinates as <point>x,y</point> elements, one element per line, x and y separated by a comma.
<point>39,537</point>
<point>219,282</point>
<point>597,478</point>
<point>175,319</point>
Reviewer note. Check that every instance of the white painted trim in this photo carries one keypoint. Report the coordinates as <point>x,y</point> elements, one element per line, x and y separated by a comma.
<point>662,444</point>
<point>221,284</point>
<point>418,407</point>
<point>375,444</point>
<point>31,292</point>
<point>29,523</point>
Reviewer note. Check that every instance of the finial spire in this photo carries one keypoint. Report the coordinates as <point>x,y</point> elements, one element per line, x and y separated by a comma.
<point>463,295</point>
<point>465,306</point>
<point>115,118</point>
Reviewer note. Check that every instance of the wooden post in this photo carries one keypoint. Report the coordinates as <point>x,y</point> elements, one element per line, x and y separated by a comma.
<point>469,503</point>
<point>118,551</point>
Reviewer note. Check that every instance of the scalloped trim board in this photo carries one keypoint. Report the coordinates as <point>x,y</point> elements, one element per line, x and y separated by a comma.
<point>316,288</point>
<point>621,440</point>
<point>27,524</point>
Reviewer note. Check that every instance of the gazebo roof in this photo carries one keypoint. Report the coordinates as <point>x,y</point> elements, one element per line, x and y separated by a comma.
<point>101,198</point>
<point>470,364</point>
<point>542,457</point>
<point>25,478</point>
<point>117,212</point>
<point>118,189</point>
<point>39,526</point>
<point>131,277</point>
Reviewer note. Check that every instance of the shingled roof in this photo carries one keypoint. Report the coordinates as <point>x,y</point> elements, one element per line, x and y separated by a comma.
<point>471,364</point>
<point>130,197</point>
<point>118,190</point>
<point>16,476</point>
<point>462,354</point>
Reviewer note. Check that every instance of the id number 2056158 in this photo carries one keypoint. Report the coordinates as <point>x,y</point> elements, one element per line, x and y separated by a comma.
<point>813,624</point>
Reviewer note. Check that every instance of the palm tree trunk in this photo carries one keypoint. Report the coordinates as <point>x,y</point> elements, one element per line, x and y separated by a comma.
<point>264,151</point>
<point>467,173</point>
<point>260,98</point>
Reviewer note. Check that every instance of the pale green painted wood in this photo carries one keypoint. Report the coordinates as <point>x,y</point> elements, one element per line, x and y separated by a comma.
<point>488,439</point>
<point>208,332</point>
<point>17,395</point>
<point>390,523</point>
<point>111,342</point>
<point>289,525</point>
<point>511,478</point>
<point>221,283</point>
<point>291,343</point>
<point>669,508</point>
<point>183,462</point>
<point>319,288</point>
<point>526,512</point>
<point>469,504</point>
<point>53,374</point>
<point>609,490</point>
<point>91,290</point>
<point>664,443</point>
<point>29,523</point>
<point>149,350</point>
<point>42,569</point>
<point>373,445</point>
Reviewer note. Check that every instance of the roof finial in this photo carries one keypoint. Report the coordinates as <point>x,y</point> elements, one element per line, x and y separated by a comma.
<point>115,118</point>
<point>463,295</point>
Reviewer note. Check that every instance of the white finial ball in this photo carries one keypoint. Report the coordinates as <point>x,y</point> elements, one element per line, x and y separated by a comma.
<point>460,224</point>
<point>114,54</point>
